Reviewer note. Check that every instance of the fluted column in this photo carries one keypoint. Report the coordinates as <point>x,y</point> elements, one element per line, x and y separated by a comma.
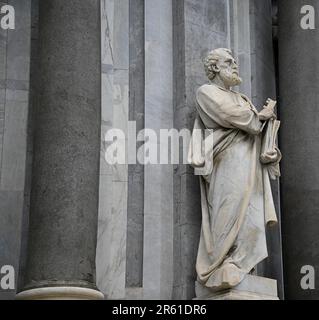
<point>299,100</point>
<point>65,177</point>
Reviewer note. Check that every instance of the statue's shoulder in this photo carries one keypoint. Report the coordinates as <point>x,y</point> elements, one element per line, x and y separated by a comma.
<point>207,89</point>
<point>213,91</point>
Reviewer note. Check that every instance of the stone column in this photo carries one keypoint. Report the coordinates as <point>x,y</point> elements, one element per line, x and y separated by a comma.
<point>299,99</point>
<point>65,178</point>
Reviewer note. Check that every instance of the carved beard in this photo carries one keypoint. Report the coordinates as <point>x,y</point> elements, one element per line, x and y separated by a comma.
<point>230,79</point>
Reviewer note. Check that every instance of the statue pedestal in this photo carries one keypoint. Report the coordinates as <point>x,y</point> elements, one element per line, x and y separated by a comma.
<point>251,288</point>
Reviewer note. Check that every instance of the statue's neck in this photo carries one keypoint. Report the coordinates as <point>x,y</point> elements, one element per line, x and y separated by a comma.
<point>220,83</point>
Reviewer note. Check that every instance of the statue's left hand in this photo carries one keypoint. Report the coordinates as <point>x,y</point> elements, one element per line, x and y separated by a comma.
<point>266,114</point>
<point>270,104</point>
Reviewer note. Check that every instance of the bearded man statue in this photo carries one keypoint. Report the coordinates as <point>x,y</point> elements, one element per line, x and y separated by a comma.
<point>236,198</point>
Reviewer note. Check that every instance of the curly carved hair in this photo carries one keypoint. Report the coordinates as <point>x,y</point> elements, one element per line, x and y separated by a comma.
<point>211,60</point>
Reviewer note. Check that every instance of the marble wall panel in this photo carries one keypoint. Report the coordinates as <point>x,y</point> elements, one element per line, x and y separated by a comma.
<point>158,203</point>
<point>111,247</point>
<point>14,96</point>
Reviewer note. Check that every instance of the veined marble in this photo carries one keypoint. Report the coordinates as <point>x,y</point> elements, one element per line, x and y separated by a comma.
<point>111,247</point>
<point>158,207</point>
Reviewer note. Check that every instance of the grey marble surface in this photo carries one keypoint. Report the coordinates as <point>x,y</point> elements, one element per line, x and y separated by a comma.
<point>14,87</point>
<point>158,205</point>
<point>263,86</point>
<point>135,206</point>
<point>241,42</point>
<point>111,247</point>
<point>64,197</point>
<point>299,99</point>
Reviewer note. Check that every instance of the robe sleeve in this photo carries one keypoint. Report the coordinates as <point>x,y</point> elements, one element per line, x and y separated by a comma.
<point>226,112</point>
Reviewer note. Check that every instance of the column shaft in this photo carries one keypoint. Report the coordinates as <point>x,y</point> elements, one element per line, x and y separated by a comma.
<point>65,178</point>
<point>299,99</point>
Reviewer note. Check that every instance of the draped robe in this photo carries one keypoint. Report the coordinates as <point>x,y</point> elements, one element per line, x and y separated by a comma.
<point>236,197</point>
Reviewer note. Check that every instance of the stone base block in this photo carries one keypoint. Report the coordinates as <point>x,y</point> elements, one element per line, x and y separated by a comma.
<point>251,288</point>
<point>60,293</point>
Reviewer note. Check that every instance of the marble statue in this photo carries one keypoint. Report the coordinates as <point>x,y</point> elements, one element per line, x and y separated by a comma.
<point>235,169</point>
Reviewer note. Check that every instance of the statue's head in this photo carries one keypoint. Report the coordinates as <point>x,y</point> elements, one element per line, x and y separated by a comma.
<point>221,64</point>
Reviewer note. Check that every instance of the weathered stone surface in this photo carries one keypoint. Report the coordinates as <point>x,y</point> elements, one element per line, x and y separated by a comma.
<point>298,91</point>
<point>239,19</point>
<point>29,155</point>
<point>251,288</point>
<point>158,179</point>
<point>14,86</point>
<point>263,80</point>
<point>112,225</point>
<point>135,206</point>
<point>64,197</point>
<point>10,221</point>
